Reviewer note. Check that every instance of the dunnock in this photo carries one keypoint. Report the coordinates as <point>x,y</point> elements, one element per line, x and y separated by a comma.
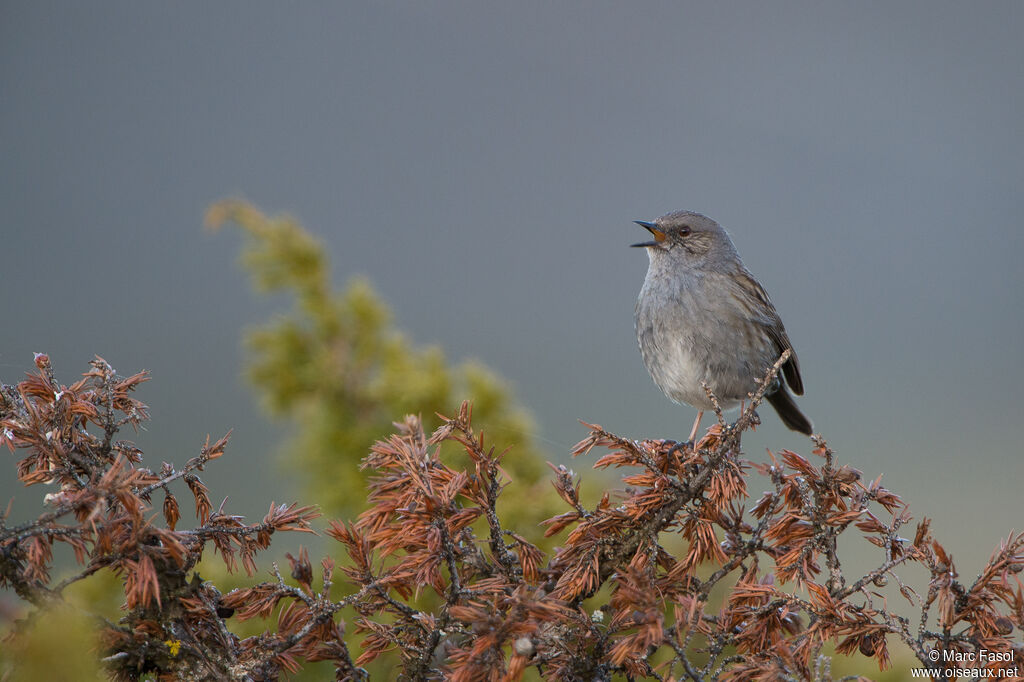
<point>702,317</point>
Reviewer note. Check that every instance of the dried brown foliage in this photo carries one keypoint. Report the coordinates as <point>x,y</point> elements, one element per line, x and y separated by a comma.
<point>102,508</point>
<point>443,586</point>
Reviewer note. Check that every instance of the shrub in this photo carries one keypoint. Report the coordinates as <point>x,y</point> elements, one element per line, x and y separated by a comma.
<point>440,582</point>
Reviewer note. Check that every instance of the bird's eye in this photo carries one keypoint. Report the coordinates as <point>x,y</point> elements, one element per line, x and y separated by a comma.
<point>684,230</point>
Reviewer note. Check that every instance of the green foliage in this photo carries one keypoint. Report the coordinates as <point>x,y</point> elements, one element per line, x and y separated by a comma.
<point>58,643</point>
<point>340,370</point>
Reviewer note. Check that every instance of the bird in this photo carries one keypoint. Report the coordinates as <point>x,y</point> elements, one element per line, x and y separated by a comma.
<point>702,317</point>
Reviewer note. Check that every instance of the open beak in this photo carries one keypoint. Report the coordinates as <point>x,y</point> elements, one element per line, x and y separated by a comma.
<point>659,236</point>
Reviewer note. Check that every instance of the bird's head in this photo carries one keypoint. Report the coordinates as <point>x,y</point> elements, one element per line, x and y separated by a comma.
<point>685,237</point>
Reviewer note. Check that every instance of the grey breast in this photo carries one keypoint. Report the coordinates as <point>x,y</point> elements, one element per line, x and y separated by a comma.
<point>692,330</point>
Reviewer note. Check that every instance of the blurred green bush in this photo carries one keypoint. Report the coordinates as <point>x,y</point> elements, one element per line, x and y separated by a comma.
<point>337,367</point>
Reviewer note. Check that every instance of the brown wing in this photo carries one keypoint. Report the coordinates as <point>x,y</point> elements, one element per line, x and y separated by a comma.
<point>768,317</point>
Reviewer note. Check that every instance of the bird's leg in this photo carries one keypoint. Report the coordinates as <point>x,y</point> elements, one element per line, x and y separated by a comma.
<point>696,425</point>
<point>691,443</point>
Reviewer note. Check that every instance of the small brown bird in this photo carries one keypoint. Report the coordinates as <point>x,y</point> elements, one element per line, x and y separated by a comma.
<point>702,317</point>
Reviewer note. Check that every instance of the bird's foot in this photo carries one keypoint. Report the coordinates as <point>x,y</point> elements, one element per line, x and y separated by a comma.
<point>678,446</point>
<point>733,431</point>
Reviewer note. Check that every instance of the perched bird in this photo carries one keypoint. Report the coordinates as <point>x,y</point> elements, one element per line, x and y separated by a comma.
<point>702,317</point>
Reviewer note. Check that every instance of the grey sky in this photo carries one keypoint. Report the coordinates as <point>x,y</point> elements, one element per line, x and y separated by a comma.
<point>481,163</point>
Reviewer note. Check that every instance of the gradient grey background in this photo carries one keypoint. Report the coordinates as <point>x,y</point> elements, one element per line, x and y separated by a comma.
<point>482,163</point>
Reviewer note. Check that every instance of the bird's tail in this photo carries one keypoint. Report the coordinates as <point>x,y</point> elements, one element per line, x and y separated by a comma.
<point>790,414</point>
